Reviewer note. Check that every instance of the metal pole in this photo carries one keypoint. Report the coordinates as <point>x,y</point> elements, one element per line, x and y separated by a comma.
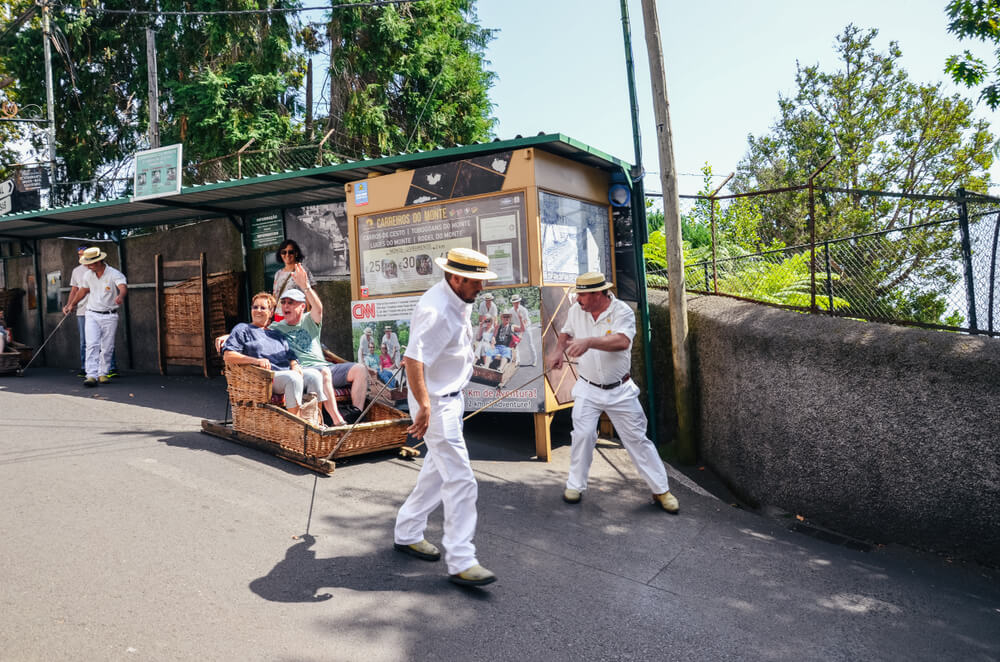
<point>993,270</point>
<point>49,99</point>
<point>970,285</point>
<point>812,234</point>
<point>829,276</point>
<point>154,92</point>
<point>640,231</point>
<point>38,295</point>
<point>711,215</point>
<point>683,389</point>
<point>127,317</point>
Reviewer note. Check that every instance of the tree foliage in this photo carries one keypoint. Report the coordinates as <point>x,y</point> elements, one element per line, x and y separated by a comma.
<point>976,19</point>
<point>885,133</point>
<point>408,75</point>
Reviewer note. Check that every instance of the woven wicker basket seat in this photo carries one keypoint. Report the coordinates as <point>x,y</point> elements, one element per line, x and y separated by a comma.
<point>254,414</point>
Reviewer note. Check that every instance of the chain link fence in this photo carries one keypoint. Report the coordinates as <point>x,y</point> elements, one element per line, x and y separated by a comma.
<point>932,262</point>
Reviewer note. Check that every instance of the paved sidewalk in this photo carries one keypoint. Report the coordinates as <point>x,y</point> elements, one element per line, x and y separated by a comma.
<point>130,535</point>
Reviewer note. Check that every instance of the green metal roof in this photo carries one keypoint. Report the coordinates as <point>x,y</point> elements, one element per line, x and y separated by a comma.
<point>294,188</point>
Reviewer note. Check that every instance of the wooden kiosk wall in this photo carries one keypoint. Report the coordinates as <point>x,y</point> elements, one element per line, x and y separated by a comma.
<point>528,171</point>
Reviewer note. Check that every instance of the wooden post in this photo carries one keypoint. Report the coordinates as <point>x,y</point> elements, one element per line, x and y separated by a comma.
<point>203,277</point>
<point>543,435</point>
<point>160,344</point>
<point>686,447</point>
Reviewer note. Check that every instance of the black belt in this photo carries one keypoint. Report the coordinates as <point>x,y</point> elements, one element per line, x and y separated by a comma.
<point>104,312</point>
<point>449,395</point>
<point>610,386</point>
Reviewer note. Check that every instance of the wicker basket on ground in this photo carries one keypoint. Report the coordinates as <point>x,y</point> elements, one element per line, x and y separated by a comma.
<point>256,415</point>
<point>184,338</point>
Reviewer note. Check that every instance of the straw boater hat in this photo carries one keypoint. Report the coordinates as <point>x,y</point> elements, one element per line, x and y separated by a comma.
<point>488,295</point>
<point>515,298</point>
<point>507,313</point>
<point>368,330</point>
<point>92,255</point>
<point>592,281</point>
<point>466,262</point>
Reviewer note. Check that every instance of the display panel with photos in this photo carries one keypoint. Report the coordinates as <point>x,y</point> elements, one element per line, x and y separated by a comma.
<point>397,248</point>
<point>575,238</point>
<point>321,232</point>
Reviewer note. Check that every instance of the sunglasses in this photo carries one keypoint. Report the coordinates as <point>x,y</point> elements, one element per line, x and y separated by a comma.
<point>288,252</point>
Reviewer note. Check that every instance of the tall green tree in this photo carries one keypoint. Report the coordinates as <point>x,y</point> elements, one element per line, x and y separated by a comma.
<point>979,20</point>
<point>407,77</point>
<point>886,133</point>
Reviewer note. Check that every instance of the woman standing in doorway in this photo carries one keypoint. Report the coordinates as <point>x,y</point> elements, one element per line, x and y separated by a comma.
<point>289,254</point>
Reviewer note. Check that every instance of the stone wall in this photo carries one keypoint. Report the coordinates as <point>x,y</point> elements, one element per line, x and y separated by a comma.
<point>882,432</point>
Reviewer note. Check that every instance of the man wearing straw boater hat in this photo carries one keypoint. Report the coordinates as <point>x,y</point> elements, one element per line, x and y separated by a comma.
<point>106,287</point>
<point>438,362</point>
<point>598,331</point>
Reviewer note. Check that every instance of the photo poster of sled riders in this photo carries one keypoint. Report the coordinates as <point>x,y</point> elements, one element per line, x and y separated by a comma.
<point>506,340</point>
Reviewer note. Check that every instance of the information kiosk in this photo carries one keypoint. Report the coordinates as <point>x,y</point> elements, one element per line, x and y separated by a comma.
<point>542,219</point>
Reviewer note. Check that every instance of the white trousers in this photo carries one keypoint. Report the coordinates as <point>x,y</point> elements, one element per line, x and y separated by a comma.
<point>292,385</point>
<point>100,331</point>
<point>446,477</point>
<point>622,407</point>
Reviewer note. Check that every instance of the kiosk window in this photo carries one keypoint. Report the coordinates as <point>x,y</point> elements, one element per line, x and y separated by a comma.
<point>575,238</point>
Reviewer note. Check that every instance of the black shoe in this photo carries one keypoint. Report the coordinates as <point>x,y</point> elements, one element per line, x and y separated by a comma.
<point>113,373</point>
<point>81,373</point>
<point>90,382</point>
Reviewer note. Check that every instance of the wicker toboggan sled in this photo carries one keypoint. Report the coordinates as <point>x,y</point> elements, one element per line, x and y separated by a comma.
<point>260,423</point>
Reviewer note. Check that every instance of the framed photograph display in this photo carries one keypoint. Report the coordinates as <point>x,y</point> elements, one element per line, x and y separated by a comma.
<point>397,248</point>
<point>575,238</point>
<point>321,232</point>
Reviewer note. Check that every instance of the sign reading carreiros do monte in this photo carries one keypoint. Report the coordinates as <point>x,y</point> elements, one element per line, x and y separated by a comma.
<point>157,172</point>
<point>397,248</point>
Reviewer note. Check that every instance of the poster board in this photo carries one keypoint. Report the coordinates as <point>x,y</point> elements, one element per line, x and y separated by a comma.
<point>514,368</point>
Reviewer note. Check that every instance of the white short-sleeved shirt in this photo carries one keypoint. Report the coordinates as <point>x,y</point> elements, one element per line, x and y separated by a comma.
<point>487,307</point>
<point>523,317</point>
<point>441,339</point>
<point>598,366</point>
<point>103,290</point>
<point>76,280</point>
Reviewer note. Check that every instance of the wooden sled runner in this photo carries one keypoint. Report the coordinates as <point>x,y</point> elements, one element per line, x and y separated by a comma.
<point>260,423</point>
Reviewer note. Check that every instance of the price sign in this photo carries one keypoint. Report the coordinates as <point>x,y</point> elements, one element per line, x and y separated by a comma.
<point>398,248</point>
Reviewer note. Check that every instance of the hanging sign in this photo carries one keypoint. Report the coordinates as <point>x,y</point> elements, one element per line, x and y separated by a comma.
<point>157,172</point>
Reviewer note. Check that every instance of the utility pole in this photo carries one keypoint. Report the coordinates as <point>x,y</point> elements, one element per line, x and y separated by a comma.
<point>309,98</point>
<point>686,446</point>
<point>49,97</point>
<point>154,90</point>
<point>640,233</point>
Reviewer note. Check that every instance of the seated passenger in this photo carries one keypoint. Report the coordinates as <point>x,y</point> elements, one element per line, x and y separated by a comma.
<point>255,344</point>
<point>302,333</point>
<point>387,368</point>
<point>370,358</point>
<point>484,338</point>
<point>497,356</point>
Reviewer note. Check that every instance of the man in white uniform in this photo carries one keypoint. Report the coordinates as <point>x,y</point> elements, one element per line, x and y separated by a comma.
<point>438,362</point>
<point>76,282</point>
<point>487,307</point>
<point>365,345</point>
<point>106,287</point>
<point>598,331</point>
<point>391,341</point>
<point>522,325</point>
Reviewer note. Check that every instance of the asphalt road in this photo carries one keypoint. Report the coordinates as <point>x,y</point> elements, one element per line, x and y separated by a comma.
<point>127,534</point>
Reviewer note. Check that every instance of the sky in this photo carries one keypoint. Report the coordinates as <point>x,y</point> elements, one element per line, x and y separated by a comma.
<point>560,68</point>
